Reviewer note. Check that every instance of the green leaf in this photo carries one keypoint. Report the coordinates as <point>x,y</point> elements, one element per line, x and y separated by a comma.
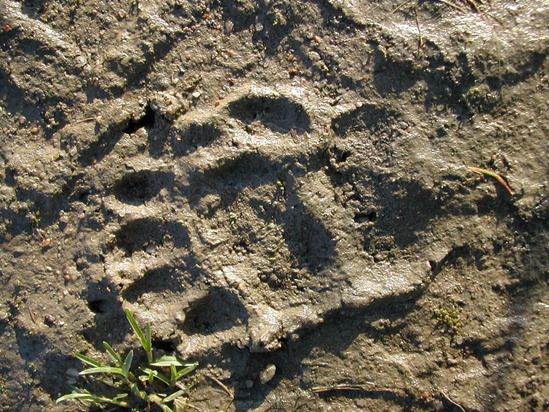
<point>144,338</point>
<point>139,393</point>
<point>76,395</point>
<point>89,361</point>
<point>159,400</point>
<point>173,396</point>
<point>127,363</point>
<point>87,396</point>
<point>120,396</point>
<point>135,326</point>
<point>112,353</point>
<point>103,369</point>
<point>148,336</point>
<point>173,375</point>
<point>186,371</point>
<point>157,374</point>
<point>166,361</point>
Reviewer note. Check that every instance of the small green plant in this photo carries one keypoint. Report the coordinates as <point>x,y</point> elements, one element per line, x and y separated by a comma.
<point>449,318</point>
<point>157,384</point>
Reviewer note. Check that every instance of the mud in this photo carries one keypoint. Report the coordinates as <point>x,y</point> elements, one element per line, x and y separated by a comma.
<point>282,188</point>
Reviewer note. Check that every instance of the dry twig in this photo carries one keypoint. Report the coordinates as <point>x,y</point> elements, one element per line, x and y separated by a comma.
<point>500,179</point>
<point>366,386</point>
<point>224,387</point>
<point>457,405</point>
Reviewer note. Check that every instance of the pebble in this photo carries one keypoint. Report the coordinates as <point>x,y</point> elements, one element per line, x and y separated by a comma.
<point>267,374</point>
<point>49,320</point>
<point>72,372</point>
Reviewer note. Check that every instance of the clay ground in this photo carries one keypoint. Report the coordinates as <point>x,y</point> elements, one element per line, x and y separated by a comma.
<point>283,189</point>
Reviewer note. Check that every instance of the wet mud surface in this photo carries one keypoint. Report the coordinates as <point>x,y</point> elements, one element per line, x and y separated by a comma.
<point>283,189</point>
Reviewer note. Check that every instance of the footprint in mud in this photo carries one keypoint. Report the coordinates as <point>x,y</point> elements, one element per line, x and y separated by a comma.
<point>232,230</point>
<point>240,221</point>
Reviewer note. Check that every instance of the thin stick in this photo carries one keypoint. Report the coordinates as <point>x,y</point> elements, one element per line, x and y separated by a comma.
<point>473,4</point>
<point>87,119</point>
<point>401,5</point>
<point>420,39</point>
<point>190,405</point>
<point>461,408</point>
<point>452,5</point>
<point>366,386</point>
<point>32,315</point>
<point>493,175</point>
<point>213,378</point>
<point>224,387</point>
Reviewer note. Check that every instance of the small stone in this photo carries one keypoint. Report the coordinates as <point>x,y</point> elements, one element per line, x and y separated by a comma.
<point>249,384</point>
<point>381,324</point>
<point>72,372</point>
<point>196,94</point>
<point>267,374</point>
<point>49,320</point>
<point>150,249</point>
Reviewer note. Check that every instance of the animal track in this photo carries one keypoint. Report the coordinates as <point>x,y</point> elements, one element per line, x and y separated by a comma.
<point>140,233</point>
<point>260,212</point>
<point>139,187</point>
<point>237,222</point>
<point>277,113</point>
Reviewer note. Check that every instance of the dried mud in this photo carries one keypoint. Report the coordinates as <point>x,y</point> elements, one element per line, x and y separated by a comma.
<point>279,183</point>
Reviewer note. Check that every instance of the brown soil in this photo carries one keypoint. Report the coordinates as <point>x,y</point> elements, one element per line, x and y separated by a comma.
<point>280,183</point>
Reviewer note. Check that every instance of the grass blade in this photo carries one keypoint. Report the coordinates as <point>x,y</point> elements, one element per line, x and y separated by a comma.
<point>186,371</point>
<point>173,396</point>
<point>84,396</point>
<point>159,375</point>
<point>144,338</point>
<point>166,361</point>
<point>148,336</point>
<point>103,369</point>
<point>136,328</point>
<point>87,396</point>
<point>89,361</point>
<point>173,375</point>
<point>112,353</point>
<point>127,363</point>
<point>500,179</point>
<point>120,396</point>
